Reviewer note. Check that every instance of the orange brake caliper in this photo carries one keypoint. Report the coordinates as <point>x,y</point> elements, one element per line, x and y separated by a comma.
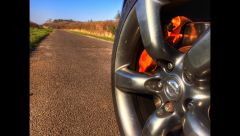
<point>173,36</point>
<point>146,62</point>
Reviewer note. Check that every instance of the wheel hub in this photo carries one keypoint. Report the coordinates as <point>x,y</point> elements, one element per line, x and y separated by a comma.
<point>172,89</point>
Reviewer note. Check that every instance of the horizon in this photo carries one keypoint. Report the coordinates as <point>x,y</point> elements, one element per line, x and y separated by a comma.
<point>83,11</point>
<point>75,20</point>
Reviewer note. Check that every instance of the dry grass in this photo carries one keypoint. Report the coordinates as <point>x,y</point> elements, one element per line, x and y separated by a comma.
<point>103,29</point>
<point>104,36</point>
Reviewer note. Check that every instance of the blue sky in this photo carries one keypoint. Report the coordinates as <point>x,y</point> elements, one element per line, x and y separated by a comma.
<point>81,10</point>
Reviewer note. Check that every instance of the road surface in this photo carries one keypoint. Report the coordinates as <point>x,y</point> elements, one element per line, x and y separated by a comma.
<point>70,87</point>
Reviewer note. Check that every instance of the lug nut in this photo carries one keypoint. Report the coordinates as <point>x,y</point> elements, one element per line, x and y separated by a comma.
<point>169,107</point>
<point>160,84</point>
<point>154,84</point>
<point>160,112</point>
<point>188,77</point>
<point>189,103</point>
<point>170,66</point>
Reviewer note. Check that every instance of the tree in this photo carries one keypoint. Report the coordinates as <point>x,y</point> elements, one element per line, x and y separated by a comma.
<point>117,17</point>
<point>49,20</point>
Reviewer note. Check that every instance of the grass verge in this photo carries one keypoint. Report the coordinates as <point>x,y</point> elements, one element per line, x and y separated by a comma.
<point>36,35</point>
<point>111,39</point>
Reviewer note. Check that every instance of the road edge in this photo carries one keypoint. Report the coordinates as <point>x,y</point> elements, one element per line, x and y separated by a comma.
<point>88,36</point>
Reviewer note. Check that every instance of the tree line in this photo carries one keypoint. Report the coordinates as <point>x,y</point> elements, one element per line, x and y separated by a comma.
<point>92,26</point>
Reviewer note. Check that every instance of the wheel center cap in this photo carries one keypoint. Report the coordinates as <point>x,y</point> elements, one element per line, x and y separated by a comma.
<point>172,89</point>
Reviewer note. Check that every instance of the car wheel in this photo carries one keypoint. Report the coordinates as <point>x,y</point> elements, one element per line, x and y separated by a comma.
<point>161,68</point>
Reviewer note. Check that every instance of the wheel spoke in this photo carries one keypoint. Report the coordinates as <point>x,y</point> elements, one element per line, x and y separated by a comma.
<point>134,82</point>
<point>202,102</point>
<point>196,120</point>
<point>148,15</point>
<point>197,61</point>
<point>195,125</point>
<point>200,98</point>
<point>160,125</point>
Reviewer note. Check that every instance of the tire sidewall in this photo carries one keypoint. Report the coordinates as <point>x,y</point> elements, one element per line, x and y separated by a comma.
<point>129,4</point>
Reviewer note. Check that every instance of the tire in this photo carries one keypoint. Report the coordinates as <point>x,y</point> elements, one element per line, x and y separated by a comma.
<point>128,5</point>
<point>131,110</point>
<point>144,101</point>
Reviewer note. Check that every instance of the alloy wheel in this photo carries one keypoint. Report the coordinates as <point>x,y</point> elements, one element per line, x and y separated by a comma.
<point>181,83</point>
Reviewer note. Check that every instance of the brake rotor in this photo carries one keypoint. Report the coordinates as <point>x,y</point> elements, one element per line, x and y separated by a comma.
<point>173,31</point>
<point>173,36</point>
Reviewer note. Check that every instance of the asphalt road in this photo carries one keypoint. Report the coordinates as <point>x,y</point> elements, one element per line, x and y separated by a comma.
<point>70,87</point>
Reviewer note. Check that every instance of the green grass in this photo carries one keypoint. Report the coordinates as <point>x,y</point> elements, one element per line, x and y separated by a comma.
<point>92,35</point>
<point>36,35</point>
